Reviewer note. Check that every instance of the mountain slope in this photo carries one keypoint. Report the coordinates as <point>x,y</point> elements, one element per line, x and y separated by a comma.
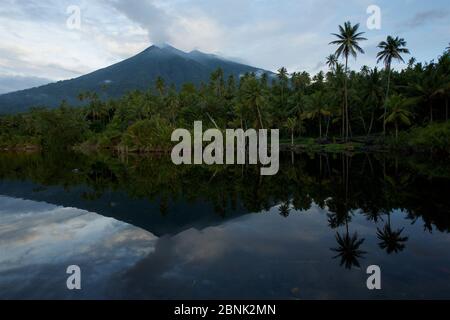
<point>138,72</point>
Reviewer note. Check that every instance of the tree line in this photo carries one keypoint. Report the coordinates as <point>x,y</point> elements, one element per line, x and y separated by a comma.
<point>337,105</point>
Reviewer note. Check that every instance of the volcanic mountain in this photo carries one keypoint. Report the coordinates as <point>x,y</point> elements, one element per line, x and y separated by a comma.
<point>138,72</point>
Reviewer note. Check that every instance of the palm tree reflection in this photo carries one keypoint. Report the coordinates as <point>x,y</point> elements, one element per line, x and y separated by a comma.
<point>349,250</point>
<point>391,240</point>
<point>348,246</point>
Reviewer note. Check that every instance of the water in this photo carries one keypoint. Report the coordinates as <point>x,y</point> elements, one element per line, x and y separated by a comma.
<point>142,228</point>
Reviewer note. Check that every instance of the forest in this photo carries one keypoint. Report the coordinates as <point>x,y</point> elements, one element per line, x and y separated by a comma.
<point>404,109</point>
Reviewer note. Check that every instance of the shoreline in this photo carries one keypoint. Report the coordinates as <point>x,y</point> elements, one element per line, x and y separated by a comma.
<point>350,147</point>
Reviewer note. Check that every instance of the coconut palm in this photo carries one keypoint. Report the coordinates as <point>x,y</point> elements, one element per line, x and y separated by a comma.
<point>283,78</point>
<point>398,112</point>
<point>391,49</point>
<point>332,62</point>
<point>427,88</point>
<point>411,62</point>
<point>372,94</point>
<point>160,86</point>
<point>291,125</point>
<point>348,44</point>
<point>253,97</point>
<point>317,109</point>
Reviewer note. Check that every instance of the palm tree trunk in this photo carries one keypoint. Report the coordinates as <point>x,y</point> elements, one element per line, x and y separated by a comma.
<point>386,99</point>
<point>431,112</point>
<point>212,120</point>
<point>343,121</point>
<point>320,126</point>
<point>446,109</point>
<point>363,121</point>
<point>292,138</point>
<point>371,124</point>
<point>396,131</point>
<point>260,117</point>
<point>346,99</point>
<point>328,127</point>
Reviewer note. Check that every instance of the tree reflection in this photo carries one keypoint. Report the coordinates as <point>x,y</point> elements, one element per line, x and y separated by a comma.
<point>391,240</point>
<point>349,250</point>
<point>343,186</point>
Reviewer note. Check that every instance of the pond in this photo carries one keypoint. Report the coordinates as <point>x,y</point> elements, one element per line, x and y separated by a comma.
<point>142,228</point>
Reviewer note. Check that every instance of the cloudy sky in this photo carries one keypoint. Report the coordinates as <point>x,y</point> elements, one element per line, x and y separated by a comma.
<point>36,44</point>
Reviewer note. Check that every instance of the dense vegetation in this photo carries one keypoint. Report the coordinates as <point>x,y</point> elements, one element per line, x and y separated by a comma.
<point>398,108</point>
<point>135,73</point>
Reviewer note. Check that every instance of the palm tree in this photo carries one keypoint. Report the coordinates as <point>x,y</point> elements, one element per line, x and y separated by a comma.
<point>391,49</point>
<point>291,125</point>
<point>372,94</point>
<point>160,86</point>
<point>348,39</point>
<point>428,88</point>
<point>411,62</point>
<point>317,109</point>
<point>332,62</point>
<point>253,97</point>
<point>283,77</point>
<point>398,112</point>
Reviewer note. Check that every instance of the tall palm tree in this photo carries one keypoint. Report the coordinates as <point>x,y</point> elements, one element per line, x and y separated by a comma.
<point>317,108</point>
<point>283,77</point>
<point>391,49</point>
<point>332,61</point>
<point>253,97</point>
<point>348,44</point>
<point>398,112</point>
<point>372,94</point>
<point>291,125</point>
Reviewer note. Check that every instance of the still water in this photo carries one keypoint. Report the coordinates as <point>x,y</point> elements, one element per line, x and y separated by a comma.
<point>142,228</point>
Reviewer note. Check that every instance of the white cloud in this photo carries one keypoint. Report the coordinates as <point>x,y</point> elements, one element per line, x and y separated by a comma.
<point>269,34</point>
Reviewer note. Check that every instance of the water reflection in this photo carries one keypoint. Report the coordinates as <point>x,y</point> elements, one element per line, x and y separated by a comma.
<point>39,241</point>
<point>223,232</point>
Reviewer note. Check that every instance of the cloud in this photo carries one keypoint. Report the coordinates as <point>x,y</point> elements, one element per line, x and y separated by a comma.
<point>148,15</point>
<point>15,83</point>
<point>266,34</point>
<point>424,17</point>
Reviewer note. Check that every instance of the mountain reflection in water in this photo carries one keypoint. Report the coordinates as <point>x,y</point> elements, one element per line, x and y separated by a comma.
<point>140,227</point>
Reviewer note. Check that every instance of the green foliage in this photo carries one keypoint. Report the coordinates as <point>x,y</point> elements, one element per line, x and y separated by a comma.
<point>338,106</point>
<point>148,135</point>
<point>433,137</point>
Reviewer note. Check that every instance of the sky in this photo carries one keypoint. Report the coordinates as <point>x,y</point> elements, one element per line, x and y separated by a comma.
<point>42,41</point>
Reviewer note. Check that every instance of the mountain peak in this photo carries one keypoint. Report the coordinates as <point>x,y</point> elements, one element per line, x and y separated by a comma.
<point>136,73</point>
